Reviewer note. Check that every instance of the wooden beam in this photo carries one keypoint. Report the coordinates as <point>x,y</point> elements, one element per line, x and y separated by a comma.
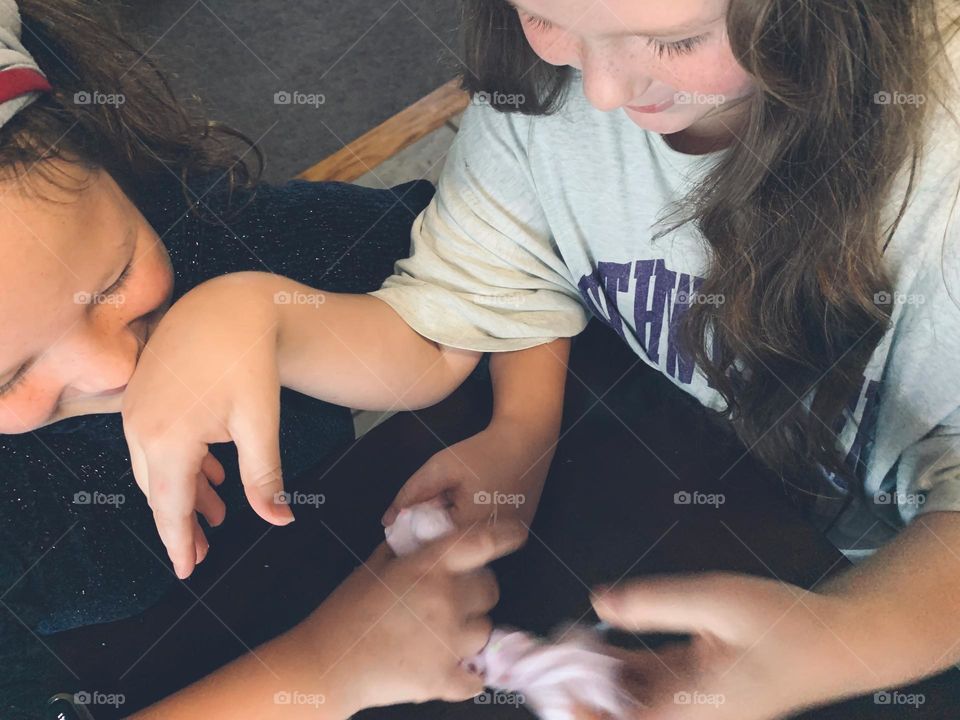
<point>391,136</point>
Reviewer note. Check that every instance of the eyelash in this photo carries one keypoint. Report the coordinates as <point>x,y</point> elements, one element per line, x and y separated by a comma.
<point>672,49</point>
<point>21,374</point>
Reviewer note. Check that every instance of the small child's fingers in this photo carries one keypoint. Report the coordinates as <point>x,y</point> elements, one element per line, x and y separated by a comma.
<point>200,541</point>
<point>480,545</point>
<point>209,504</point>
<point>212,468</point>
<point>425,484</point>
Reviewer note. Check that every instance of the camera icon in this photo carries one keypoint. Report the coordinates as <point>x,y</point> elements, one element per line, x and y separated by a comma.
<point>682,498</point>
<point>282,297</point>
<point>282,98</point>
<point>82,498</point>
<point>82,98</point>
<point>882,298</point>
<point>82,698</point>
<point>482,497</point>
<point>883,98</point>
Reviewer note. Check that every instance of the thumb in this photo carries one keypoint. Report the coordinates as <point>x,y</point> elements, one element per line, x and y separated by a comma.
<point>425,484</point>
<point>679,603</point>
<point>258,455</point>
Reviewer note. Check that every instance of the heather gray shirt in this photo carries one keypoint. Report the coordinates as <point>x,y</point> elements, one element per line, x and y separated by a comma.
<point>541,222</point>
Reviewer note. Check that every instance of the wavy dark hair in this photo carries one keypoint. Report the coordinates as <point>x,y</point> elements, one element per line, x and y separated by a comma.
<point>81,49</point>
<point>799,216</point>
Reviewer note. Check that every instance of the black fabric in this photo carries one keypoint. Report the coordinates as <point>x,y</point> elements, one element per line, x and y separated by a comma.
<point>65,563</point>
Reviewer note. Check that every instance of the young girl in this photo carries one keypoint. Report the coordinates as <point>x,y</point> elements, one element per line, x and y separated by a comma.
<point>805,288</point>
<point>114,202</point>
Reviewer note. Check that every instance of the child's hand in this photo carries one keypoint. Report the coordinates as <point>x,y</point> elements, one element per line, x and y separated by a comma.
<point>759,648</point>
<point>397,629</point>
<point>207,375</point>
<point>497,472</point>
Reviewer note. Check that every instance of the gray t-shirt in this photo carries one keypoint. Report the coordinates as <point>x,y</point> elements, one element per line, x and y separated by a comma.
<point>539,222</point>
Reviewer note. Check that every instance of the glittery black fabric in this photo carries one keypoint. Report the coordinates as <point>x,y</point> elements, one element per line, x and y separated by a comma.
<point>65,563</point>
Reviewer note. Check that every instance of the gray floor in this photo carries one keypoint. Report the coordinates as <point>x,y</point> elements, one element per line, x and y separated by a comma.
<point>368,59</point>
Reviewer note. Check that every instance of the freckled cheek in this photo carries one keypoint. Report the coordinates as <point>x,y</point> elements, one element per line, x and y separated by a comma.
<point>714,71</point>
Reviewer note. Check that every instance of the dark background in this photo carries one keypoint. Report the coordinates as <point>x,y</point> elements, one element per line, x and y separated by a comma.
<point>368,58</point>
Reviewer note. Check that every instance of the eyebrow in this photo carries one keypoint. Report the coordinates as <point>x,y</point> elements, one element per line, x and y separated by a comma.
<point>666,32</point>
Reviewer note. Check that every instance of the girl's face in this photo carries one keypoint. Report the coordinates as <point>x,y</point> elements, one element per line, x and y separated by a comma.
<point>672,54</point>
<point>85,279</point>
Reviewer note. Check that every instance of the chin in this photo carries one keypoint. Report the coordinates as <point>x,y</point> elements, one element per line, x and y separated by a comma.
<point>672,120</point>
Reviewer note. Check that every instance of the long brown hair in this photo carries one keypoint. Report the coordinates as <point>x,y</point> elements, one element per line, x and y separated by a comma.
<point>799,215</point>
<point>139,137</point>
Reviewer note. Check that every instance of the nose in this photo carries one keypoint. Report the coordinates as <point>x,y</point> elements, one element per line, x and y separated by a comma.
<point>98,361</point>
<point>607,83</point>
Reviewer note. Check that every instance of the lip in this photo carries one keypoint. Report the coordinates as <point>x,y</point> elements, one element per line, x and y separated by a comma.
<point>659,107</point>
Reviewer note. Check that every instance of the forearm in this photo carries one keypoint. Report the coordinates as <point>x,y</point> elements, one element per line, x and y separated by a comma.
<point>528,390</point>
<point>905,605</point>
<point>351,350</point>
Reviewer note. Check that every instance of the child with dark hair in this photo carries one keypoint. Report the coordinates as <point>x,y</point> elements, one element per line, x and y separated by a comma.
<point>115,202</point>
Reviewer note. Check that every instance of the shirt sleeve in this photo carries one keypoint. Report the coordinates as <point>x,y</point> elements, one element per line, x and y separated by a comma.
<point>485,273</point>
<point>928,472</point>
